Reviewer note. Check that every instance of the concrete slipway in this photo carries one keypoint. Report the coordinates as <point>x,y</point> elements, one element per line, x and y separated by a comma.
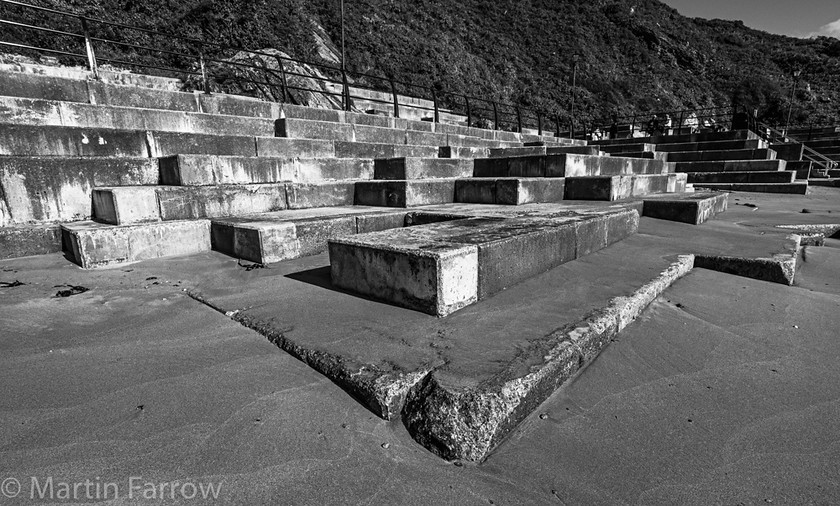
<point>725,390</point>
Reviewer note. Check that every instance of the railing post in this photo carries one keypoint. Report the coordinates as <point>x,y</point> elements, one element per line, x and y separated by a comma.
<point>396,97</point>
<point>633,126</point>
<point>91,56</point>
<point>435,103</point>
<point>345,95</point>
<point>283,85</point>
<point>204,78</point>
<point>518,119</point>
<point>679,127</point>
<point>469,112</point>
<point>495,117</point>
<point>557,124</point>
<point>539,123</point>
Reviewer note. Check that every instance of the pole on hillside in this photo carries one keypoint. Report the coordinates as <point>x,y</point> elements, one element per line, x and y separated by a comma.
<point>575,60</point>
<point>796,73</point>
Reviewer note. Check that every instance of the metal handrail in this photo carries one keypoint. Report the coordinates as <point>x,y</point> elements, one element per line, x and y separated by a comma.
<point>770,134</point>
<point>501,113</point>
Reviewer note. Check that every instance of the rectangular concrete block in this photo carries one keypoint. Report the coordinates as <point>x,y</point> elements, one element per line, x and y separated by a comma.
<point>281,147</point>
<point>175,143</point>
<point>94,245</point>
<point>320,194</point>
<point>422,168</point>
<point>784,176</point>
<point>797,188</point>
<point>126,205</point>
<point>45,87</point>
<point>694,209</point>
<point>256,241</point>
<point>102,93</point>
<point>732,166</point>
<point>28,240</point>
<point>309,129</point>
<point>405,193</point>
<point>235,105</point>
<point>193,202</point>
<point>509,191</point>
<point>722,155</point>
<point>621,187</point>
<point>38,140</point>
<point>462,152</point>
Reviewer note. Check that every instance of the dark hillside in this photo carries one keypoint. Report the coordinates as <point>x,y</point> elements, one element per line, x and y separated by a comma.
<point>635,56</point>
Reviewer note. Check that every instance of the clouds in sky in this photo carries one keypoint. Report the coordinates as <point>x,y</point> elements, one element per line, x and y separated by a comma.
<point>830,30</point>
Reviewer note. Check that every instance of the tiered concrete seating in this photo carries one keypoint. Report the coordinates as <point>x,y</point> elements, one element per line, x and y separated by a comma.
<point>734,160</point>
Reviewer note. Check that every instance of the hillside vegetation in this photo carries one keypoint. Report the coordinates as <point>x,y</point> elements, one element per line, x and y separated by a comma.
<point>635,56</point>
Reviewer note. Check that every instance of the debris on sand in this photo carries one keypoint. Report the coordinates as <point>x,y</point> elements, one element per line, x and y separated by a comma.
<point>10,284</point>
<point>72,290</point>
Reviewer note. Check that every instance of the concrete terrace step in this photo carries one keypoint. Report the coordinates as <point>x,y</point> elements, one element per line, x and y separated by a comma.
<point>686,146</point>
<point>94,92</point>
<point>126,205</point>
<point>442,267</point>
<point>52,189</point>
<point>566,165</point>
<point>92,244</point>
<point>701,137</point>
<point>405,193</point>
<point>510,191</point>
<point>620,149</point>
<point>731,166</point>
<point>344,149</point>
<point>25,111</point>
<point>283,235</point>
<point>784,176</point>
<point>202,170</point>
<point>542,151</point>
<point>422,168</point>
<point>799,188</point>
<point>461,152</point>
<point>714,156</point>
<point>622,187</point>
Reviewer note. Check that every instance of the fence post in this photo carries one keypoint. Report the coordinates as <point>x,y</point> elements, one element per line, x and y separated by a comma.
<point>495,117</point>
<point>469,112</point>
<point>283,85</point>
<point>91,56</point>
<point>539,123</point>
<point>345,95</point>
<point>204,79</point>
<point>633,126</point>
<point>435,103</point>
<point>396,98</point>
<point>679,127</point>
<point>518,119</point>
<point>557,124</point>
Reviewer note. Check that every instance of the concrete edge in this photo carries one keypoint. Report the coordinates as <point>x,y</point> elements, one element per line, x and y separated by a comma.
<point>469,422</point>
<point>780,268</point>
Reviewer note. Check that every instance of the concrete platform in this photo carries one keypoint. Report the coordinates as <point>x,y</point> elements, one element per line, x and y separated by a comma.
<point>92,245</point>
<point>722,155</point>
<point>443,267</point>
<point>611,188</point>
<point>422,168</point>
<point>509,191</point>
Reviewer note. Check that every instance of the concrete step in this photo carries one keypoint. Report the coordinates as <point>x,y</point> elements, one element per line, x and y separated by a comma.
<point>621,149</point>
<point>799,188</point>
<point>92,244</point>
<point>790,151</point>
<point>407,193</point>
<point>461,152</point>
<point>784,176</point>
<point>52,189</point>
<point>124,205</point>
<point>687,146</point>
<point>829,182</point>
<point>344,149</point>
<point>422,168</point>
<point>731,166</point>
<point>649,155</point>
<point>27,111</point>
<point>202,170</point>
<point>723,155</point>
<point>283,235</point>
<point>822,143</point>
<point>440,268</point>
<point>566,165</point>
<point>803,169</point>
<point>729,135</point>
<point>622,187</point>
<point>98,92</point>
<point>510,191</point>
<point>29,240</point>
<point>695,208</point>
<point>542,151</point>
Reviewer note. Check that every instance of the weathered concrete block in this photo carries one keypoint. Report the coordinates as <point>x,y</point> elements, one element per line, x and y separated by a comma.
<point>52,189</point>
<point>784,176</point>
<point>797,188</point>
<point>321,194</point>
<point>175,143</point>
<point>34,140</point>
<point>405,193</point>
<point>255,241</point>
<point>462,152</point>
<point>509,191</point>
<point>93,244</point>
<point>28,85</point>
<point>694,208</point>
<point>234,105</point>
<point>731,166</point>
<point>438,281</point>
<point>722,155</point>
<point>191,202</point>
<point>29,240</point>
<point>134,96</point>
<point>281,147</point>
<point>125,205</point>
<point>309,129</point>
<point>422,168</point>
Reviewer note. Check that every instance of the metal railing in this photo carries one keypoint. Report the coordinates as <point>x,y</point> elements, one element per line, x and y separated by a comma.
<point>674,122</point>
<point>773,136</point>
<point>97,42</point>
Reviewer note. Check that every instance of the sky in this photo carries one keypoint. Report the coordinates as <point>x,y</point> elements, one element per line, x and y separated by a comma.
<point>797,18</point>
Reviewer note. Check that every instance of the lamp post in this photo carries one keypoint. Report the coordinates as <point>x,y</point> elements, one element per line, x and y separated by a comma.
<point>345,95</point>
<point>796,74</point>
<point>575,60</point>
